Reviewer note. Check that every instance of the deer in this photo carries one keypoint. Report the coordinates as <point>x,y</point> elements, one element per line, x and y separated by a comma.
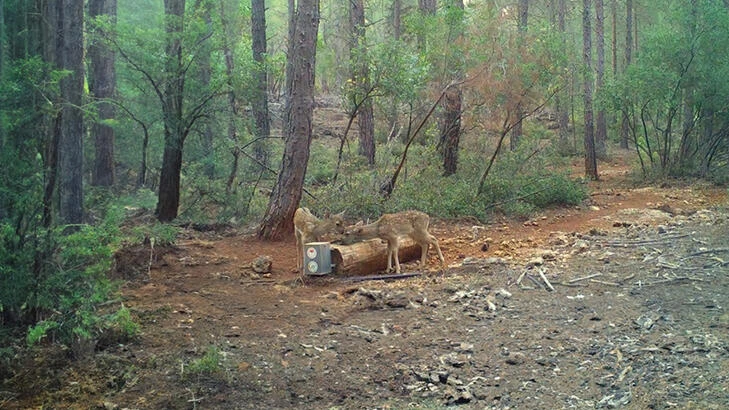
<point>309,228</point>
<point>393,227</point>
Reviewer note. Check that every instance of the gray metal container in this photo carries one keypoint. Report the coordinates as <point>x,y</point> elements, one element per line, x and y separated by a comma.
<point>317,258</point>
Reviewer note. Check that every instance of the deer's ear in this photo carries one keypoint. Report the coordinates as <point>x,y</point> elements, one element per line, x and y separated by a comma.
<point>340,215</point>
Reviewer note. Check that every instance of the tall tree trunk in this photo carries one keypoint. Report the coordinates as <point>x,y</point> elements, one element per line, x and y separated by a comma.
<point>614,39</point>
<point>590,157</point>
<point>205,70</point>
<point>393,115</point>
<point>601,122</point>
<point>174,130</point>
<point>3,47</point>
<point>522,25</point>
<point>360,77</point>
<point>625,122</point>
<point>563,116</point>
<point>102,85</point>
<point>229,59</point>
<point>286,194</point>
<point>426,8</point>
<point>452,102</point>
<point>260,95</point>
<point>69,56</point>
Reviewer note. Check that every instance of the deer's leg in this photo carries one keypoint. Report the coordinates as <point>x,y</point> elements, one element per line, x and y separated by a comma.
<point>396,251</point>
<point>389,256</point>
<point>424,254</point>
<point>299,253</point>
<point>434,241</point>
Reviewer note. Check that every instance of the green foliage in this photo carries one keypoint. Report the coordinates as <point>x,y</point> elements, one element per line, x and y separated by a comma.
<point>69,293</point>
<point>674,94</point>
<point>520,183</point>
<point>210,363</point>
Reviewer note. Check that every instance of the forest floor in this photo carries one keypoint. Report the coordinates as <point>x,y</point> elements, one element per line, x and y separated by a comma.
<point>637,319</point>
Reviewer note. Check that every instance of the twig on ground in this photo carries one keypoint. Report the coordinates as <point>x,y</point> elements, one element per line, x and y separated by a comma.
<point>594,275</point>
<point>544,278</point>
<point>704,252</point>
<point>605,282</point>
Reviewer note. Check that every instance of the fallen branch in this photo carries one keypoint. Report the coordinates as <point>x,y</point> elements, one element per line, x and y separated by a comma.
<point>544,278</point>
<point>605,282</point>
<point>625,244</point>
<point>518,281</point>
<point>718,250</point>
<point>676,279</point>
<point>381,277</point>
<point>594,275</point>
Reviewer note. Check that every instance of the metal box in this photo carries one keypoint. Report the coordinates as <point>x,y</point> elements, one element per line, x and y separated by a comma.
<point>317,258</point>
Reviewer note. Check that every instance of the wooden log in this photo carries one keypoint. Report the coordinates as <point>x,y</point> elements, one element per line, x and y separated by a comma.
<point>369,256</point>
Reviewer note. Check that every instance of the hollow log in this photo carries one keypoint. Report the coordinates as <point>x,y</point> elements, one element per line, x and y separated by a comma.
<point>369,256</point>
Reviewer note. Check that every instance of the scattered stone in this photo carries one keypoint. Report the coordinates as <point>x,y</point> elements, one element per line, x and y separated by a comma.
<point>515,358</point>
<point>538,261</point>
<point>615,400</point>
<point>262,264</point>
<point>645,322</point>
<point>580,246</point>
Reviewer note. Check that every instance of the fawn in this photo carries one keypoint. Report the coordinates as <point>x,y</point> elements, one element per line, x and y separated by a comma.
<point>392,227</point>
<point>309,228</point>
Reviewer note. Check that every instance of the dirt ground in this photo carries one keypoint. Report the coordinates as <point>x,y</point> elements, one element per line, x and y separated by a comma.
<point>637,319</point>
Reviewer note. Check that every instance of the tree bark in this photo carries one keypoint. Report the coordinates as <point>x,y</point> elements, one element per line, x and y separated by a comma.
<point>232,129</point>
<point>260,94</point>
<point>102,85</point>
<point>601,122</point>
<point>590,157</point>
<point>174,130</point>
<point>452,103</point>
<point>563,118</point>
<point>361,79</point>
<point>205,71</point>
<point>370,256</point>
<point>426,8</point>
<point>522,26</point>
<point>69,56</point>
<point>625,122</point>
<point>285,197</point>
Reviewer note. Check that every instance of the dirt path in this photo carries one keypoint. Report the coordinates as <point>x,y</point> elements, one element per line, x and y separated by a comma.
<point>642,324</point>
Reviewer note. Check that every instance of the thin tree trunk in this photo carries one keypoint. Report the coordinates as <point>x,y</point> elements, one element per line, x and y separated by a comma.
<point>590,157</point>
<point>285,197</point>
<point>625,122</point>
<point>102,85</point>
<point>426,8</point>
<point>69,56</point>
<point>393,115</point>
<point>260,96</point>
<point>522,25</point>
<point>169,185</point>
<point>229,60</point>
<point>601,123</point>
<point>361,79</point>
<point>204,63</point>
<point>452,102</point>
<point>563,117</point>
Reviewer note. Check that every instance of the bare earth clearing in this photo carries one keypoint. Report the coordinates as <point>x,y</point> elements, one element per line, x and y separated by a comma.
<point>637,319</point>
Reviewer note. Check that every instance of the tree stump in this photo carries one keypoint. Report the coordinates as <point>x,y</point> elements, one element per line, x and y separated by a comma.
<point>369,256</point>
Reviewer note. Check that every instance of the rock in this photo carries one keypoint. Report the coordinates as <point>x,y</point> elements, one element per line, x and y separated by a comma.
<point>616,400</point>
<point>580,246</point>
<point>515,358</point>
<point>538,261</point>
<point>645,322</point>
<point>547,254</point>
<point>262,264</point>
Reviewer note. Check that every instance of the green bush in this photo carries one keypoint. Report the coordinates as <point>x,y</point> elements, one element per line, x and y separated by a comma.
<point>208,364</point>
